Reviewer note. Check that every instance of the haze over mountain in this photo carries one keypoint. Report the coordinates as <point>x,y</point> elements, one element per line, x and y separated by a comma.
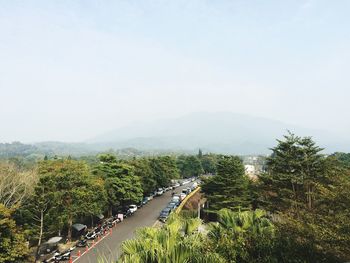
<point>222,132</point>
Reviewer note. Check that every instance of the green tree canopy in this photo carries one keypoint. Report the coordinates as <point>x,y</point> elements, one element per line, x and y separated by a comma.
<point>164,168</point>
<point>189,166</point>
<point>123,187</point>
<point>229,188</point>
<point>12,242</point>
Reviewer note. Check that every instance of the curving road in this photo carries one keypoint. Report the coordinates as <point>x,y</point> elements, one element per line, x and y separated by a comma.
<point>109,247</point>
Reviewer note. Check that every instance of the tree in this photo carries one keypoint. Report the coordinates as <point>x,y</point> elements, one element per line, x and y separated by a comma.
<point>229,188</point>
<point>247,236</point>
<point>37,210</point>
<point>200,154</point>
<point>15,185</point>
<point>70,184</point>
<point>209,163</point>
<point>12,242</point>
<point>177,242</point>
<point>164,168</point>
<point>189,166</point>
<point>308,195</point>
<point>121,184</point>
<point>142,169</point>
<point>294,168</point>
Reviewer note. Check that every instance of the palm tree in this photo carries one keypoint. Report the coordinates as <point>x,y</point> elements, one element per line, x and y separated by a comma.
<point>243,236</point>
<point>177,242</point>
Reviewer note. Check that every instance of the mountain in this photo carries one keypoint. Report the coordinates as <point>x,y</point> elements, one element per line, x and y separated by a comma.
<point>221,132</point>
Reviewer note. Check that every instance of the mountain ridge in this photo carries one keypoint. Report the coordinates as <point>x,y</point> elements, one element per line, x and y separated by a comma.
<point>222,132</point>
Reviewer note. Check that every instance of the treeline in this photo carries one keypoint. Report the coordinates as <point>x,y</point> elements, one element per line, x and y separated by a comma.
<point>46,199</point>
<point>297,211</point>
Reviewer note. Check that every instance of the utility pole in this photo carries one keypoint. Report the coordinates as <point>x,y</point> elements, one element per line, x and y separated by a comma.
<point>199,209</point>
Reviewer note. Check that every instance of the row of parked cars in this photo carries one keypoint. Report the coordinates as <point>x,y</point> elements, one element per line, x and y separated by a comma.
<point>176,201</point>
<point>128,211</point>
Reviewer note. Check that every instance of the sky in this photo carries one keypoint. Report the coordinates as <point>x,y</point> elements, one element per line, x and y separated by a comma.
<point>70,70</point>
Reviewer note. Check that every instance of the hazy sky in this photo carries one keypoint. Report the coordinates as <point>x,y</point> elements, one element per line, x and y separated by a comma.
<point>70,70</point>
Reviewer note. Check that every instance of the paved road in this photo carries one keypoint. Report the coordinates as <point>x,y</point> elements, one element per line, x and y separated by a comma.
<point>109,247</point>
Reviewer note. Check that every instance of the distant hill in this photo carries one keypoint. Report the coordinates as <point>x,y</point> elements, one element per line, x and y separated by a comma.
<point>221,132</point>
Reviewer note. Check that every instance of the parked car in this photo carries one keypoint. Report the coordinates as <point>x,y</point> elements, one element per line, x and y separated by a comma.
<point>185,182</point>
<point>172,205</point>
<point>81,243</point>
<point>63,256</point>
<point>91,235</point>
<point>164,214</point>
<point>176,198</point>
<point>99,230</point>
<point>194,186</point>
<point>186,191</point>
<point>176,201</point>
<point>149,197</point>
<point>125,211</point>
<point>182,196</point>
<point>145,200</point>
<point>116,219</point>
<point>159,192</point>
<point>133,208</point>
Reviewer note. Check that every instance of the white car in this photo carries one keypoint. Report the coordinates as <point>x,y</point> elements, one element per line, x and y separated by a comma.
<point>133,208</point>
<point>185,182</point>
<point>175,198</point>
<point>159,191</point>
<point>182,196</point>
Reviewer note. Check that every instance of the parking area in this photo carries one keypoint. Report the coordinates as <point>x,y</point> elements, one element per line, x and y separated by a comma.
<point>107,246</point>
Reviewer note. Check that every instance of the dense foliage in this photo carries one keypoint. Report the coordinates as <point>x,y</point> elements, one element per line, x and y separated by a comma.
<point>230,187</point>
<point>177,242</point>
<point>298,210</point>
<point>12,241</point>
<point>46,199</point>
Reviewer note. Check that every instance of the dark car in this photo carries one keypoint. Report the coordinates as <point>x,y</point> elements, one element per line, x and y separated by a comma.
<point>145,200</point>
<point>172,205</point>
<point>81,243</point>
<point>164,214</point>
<point>125,211</point>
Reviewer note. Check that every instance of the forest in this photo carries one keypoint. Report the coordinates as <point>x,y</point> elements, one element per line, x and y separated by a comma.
<point>42,199</point>
<point>297,210</point>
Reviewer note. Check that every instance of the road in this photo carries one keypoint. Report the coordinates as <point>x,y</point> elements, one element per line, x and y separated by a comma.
<point>109,247</point>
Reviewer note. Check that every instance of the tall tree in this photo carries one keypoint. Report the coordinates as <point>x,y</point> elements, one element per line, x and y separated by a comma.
<point>71,189</point>
<point>12,242</point>
<point>15,185</point>
<point>229,188</point>
<point>164,168</point>
<point>122,185</point>
<point>294,168</point>
<point>209,163</point>
<point>142,169</point>
<point>189,166</point>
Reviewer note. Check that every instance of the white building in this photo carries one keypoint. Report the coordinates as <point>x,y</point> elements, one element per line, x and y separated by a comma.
<point>250,171</point>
